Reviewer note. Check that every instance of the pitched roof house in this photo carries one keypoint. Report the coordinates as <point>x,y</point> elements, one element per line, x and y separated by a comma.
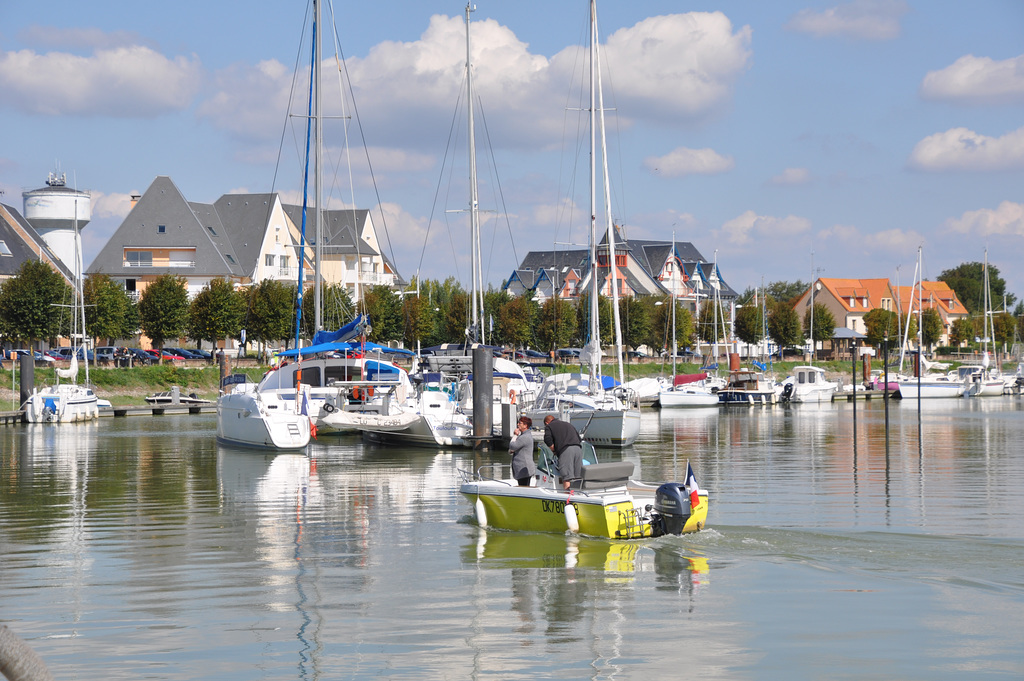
<point>245,238</point>
<point>640,267</point>
<point>20,242</point>
<point>849,299</point>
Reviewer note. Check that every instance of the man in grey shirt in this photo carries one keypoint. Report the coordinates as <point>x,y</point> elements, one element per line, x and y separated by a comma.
<point>564,440</point>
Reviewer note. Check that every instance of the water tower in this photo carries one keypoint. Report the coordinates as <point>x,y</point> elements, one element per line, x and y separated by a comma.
<point>57,212</point>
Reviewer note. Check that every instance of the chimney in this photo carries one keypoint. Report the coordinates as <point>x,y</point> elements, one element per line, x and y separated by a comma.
<point>135,198</point>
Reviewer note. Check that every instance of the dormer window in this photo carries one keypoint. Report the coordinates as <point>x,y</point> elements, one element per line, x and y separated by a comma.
<point>5,249</point>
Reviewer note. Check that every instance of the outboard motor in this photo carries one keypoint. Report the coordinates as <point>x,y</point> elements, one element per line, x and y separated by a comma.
<point>787,392</point>
<point>672,504</point>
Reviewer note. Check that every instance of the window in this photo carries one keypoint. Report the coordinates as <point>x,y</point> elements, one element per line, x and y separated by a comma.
<point>285,262</point>
<point>269,260</point>
<point>138,258</point>
<point>212,230</point>
<point>4,249</point>
<point>161,229</point>
<point>230,258</point>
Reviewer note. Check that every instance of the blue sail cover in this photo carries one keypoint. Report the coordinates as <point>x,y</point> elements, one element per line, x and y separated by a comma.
<point>351,330</point>
<point>343,347</point>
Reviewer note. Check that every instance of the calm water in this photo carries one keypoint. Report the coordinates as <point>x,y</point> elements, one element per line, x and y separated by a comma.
<point>139,549</point>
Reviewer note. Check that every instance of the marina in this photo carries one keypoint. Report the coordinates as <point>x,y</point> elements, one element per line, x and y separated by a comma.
<point>835,548</point>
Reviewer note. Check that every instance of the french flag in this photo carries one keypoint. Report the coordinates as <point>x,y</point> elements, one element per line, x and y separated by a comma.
<point>691,486</point>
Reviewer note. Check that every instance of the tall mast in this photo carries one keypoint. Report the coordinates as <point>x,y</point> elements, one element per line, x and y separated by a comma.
<point>474,209</point>
<point>674,275</point>
<point>595,328</point>
<point>596,62</point>
<point>318,165</point>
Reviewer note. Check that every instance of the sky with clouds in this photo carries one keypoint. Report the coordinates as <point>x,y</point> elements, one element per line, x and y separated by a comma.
<point>782,138</point>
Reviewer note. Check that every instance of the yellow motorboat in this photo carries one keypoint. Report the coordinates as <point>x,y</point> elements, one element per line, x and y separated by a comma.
<point>606,502</point>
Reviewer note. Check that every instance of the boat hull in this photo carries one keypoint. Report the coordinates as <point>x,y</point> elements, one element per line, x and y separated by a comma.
<point>930,390</point>
<point>66,403</point>
<point>263,422</point>
<point>602,427</point>
<point>613,515</point>
<point>671,399</point>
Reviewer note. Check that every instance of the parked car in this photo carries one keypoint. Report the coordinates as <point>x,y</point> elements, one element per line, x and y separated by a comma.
<point>66,353</point>
<point>156,355</point>
<point>140,356</point>
<point>533,353</point>
<point>107,353</point>
<point>184,353</point>
<point>567,353</point>
<point>37,356</point>
<point>202,354</point>
<point>635,354</point>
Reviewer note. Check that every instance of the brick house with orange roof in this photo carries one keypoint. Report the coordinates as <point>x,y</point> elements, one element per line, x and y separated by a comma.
<point>849,299</point>
<point>935,295</point>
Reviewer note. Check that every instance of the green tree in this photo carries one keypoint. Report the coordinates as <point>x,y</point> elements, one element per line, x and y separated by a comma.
<point>961,332</point>
<point>556,324</point>
<point>824,325</point>
<point>712,323</point>
<point>749,324</point>
<point>109,311</point>
<point>216,312</point>
<point>635,315</point>
<point>784,325</point>
<point>453,318</point>
<point>881,324</point>
<point>786,291</point>
<point>968,281</point>
<point>29,300</point>
<point>605,320</point>
<point>336,309</point>
<point>514,322</point>
<point>1005,327</point>
<point>660,335</point>
<point>385,311</point>
<point>419,320</point>
<point>931,327</point>
<point>163,309</point>
<point>270,309</point>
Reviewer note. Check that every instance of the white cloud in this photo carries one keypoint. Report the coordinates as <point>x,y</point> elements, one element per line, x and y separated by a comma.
<point>749,226</point>
<point>963,149</point>
<point>677,65</point>
<point>123,82</point>
<point>50,37</point>
<point>977,79</point>
<point>791,176</point>
<point>668,68</point>
<point>1007,219</point>
<point>860,20</point>
<point>683,161</point>
<point>251,101</point>
<point>849,239</point>
<point>112,205</point>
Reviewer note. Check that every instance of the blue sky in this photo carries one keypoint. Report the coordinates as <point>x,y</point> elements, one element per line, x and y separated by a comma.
<point>788,137</point>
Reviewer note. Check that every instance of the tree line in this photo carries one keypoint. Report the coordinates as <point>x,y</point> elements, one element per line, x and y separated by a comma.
<point>35,305</point>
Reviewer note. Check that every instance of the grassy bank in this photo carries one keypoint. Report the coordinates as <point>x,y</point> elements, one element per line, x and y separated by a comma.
<point>126,387</point>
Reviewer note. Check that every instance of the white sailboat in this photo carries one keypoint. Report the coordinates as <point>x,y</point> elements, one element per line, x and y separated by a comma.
<point>683,392</point>
<point>66,401</point>
<point>606,416</point>
<point>280,419</point>
<point>924,386</point>
<point>982,380</point>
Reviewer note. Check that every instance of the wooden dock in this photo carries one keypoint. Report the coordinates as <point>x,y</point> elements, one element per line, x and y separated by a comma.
<point>12,417</point>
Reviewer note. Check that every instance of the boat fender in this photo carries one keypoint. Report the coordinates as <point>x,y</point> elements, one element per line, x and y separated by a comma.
<point>572,521</point>
<point>511,396</point>
<point>481,513</point>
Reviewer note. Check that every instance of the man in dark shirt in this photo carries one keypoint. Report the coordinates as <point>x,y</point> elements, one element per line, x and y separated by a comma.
<point>564,440</point>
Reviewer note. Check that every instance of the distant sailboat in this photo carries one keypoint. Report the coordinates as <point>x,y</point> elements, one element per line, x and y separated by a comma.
<point>66,401</point>
<point>605,415</point>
